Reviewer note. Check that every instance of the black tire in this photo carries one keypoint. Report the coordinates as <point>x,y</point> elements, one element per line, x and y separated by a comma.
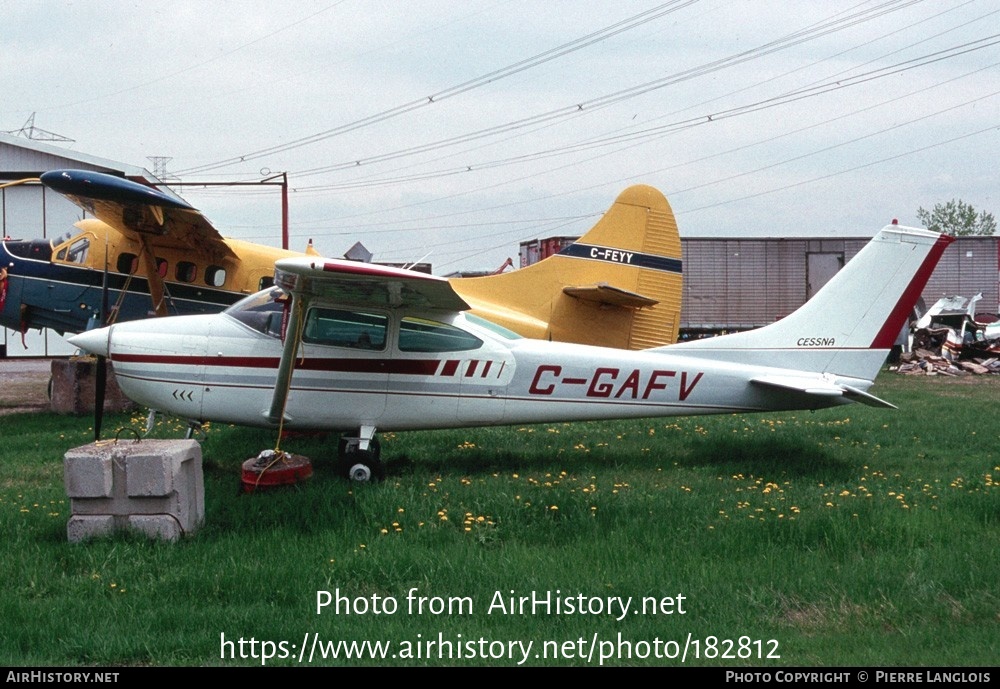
<point>361,466</point>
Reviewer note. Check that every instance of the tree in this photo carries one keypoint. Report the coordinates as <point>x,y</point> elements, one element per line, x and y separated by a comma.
<point>958,219</point>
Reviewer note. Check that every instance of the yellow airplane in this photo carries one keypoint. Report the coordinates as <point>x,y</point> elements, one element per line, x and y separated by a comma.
<point>147,252</point>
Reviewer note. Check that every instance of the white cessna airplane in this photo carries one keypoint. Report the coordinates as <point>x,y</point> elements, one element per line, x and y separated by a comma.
<point>352,347</point>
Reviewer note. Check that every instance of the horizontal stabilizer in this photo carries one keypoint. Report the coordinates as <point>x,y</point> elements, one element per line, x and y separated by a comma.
<point>866,398</point>
<point>603,293</point>
<point>808,386</point>
<point>821,388</point>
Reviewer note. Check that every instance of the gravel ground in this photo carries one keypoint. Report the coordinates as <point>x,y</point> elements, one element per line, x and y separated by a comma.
<point>25,384</point>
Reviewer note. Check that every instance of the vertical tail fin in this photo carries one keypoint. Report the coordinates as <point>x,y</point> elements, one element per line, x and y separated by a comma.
<point>619,285</point>
<point>849,326</point>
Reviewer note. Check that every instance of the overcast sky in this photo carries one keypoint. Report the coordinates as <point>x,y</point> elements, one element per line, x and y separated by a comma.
<point>454,130</point>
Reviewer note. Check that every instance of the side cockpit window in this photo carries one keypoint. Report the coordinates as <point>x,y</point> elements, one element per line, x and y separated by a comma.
<point>423,335</point>
<point>342,328</point>
<point>74,251</point>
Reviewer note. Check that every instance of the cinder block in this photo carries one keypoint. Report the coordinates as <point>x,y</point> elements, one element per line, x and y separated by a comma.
<point>161,526</point>
<point>82,528</point>
<point>73,382</point>
<point>153,486</point>
<point>151,475</point>
<point>86,475</point>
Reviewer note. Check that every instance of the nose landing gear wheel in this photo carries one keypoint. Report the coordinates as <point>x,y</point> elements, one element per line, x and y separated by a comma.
<point>361,473</point>
<point>361,466</point>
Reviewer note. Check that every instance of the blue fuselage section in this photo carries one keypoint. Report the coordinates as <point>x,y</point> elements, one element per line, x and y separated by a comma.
<point>42,293</point>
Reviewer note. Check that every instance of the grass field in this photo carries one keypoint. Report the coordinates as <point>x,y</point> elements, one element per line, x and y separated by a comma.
<point>847,537</point>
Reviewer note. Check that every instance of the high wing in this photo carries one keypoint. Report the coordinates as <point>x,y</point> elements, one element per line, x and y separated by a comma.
<point>353,284</point>
<point>365,284</point>
<point>140,211</point>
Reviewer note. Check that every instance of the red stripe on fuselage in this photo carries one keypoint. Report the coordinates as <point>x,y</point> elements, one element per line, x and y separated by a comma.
<point>886,337</point>
<point>416,367</point>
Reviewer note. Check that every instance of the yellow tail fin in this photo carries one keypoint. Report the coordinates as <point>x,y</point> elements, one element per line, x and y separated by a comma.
<point>619,285</point>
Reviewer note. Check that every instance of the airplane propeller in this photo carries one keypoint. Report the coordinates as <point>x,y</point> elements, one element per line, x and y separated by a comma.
<point>101,368</point>
<point>100,383</point>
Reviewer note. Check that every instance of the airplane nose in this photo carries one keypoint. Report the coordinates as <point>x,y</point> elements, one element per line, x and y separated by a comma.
<point>93,341</point>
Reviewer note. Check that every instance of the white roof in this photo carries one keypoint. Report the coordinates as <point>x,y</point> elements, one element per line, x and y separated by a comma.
<point>39,156</point>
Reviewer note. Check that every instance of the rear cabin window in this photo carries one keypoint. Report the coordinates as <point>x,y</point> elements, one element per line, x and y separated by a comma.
<point>215,276</point>
<point>341,328</point>
<point>422,335</point>
<point>186,271</point>
<point>127,263</point>
<point>161,267</point>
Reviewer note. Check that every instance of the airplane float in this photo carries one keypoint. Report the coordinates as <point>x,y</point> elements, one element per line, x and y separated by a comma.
<point>147,252</point>
<point>355,348</point>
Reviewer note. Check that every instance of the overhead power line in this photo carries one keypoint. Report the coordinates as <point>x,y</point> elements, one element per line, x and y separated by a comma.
<point>496,75</point>
<point>815,31</point>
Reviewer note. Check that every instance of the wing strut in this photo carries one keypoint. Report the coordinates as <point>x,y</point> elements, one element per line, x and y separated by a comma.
<point>282,384</point>
<point>156,289</point>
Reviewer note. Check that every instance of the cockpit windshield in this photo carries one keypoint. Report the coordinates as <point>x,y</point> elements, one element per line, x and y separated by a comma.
<point>262,311</point>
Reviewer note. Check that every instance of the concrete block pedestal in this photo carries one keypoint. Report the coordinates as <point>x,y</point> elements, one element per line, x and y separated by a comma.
<point>72,387</point>
<point>155,487</point>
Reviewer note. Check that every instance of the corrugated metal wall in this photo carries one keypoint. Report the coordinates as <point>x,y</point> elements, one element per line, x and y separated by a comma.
<point>968,266</point>
<point>735,284</point>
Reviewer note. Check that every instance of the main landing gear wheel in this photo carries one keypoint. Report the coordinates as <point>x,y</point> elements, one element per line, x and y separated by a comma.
<point>360,465</point>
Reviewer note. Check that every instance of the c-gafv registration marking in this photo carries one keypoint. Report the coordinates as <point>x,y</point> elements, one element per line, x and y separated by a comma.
<point>604,382</point>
